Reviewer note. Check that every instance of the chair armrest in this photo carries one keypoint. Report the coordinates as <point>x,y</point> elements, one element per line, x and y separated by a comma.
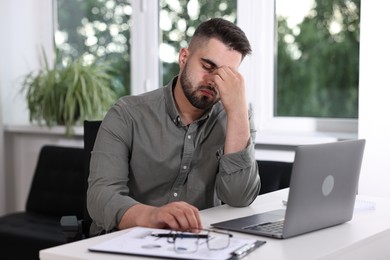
<point>72,228</point>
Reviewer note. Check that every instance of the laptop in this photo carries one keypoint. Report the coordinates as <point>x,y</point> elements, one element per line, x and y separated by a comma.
<point>323,187</point>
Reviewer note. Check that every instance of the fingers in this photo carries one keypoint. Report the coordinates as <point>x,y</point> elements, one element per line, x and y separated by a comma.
<point>228,82</point>
<point>225,74</point>
<point>231,87</point>
<point>177,216</point>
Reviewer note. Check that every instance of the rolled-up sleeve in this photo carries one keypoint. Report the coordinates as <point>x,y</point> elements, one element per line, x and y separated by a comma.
<point>238,181</point>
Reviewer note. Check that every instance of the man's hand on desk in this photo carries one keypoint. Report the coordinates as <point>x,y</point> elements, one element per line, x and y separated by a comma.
<point>175,215</point>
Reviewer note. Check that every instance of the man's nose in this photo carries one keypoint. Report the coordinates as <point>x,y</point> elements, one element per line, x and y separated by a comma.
<point>209,80</point>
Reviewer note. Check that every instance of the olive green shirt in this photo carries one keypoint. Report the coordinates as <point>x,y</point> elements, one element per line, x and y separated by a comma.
<point>144,154</point>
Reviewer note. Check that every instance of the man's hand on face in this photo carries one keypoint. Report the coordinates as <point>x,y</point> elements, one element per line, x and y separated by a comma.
<point>231,88</point>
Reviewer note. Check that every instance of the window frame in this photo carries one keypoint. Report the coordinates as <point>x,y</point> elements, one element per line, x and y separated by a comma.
<point>145,61</point>
<point>258,70</point>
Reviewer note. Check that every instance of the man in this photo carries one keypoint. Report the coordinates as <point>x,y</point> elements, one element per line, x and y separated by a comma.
<point>162,156</point>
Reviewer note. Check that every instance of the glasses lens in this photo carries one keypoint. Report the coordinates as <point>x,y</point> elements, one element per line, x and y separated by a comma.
<point>218,240</point>
<point>186,245</point>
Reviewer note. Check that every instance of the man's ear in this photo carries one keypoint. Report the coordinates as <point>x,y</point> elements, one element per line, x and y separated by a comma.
<point>183,56</point>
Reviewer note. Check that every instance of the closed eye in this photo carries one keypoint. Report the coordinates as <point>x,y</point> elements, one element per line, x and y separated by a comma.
<point>208,68</point>
<point>208,65</point>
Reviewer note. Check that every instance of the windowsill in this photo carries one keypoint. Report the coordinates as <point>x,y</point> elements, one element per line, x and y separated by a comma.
<point>274,146</point>
<point>280,146</point>
<point>36,129</point>
<point>262,137</point>
<point>299,138</point>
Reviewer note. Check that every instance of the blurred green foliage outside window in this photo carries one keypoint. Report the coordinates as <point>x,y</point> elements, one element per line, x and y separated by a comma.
<point>96,30</point>
<point>178,21</point>
<point>317,61</point>
<point>317,58</point>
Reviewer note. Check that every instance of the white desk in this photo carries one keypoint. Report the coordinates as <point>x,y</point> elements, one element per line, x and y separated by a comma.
<point>367,236</point>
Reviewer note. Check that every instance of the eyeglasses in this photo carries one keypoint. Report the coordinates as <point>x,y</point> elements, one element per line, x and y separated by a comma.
<point>187,242</point>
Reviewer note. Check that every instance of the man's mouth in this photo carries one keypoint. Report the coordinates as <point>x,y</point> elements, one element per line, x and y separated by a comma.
<point>208,92</point>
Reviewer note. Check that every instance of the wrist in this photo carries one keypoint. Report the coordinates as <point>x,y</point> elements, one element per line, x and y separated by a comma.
<point>136,215</point>
<point>237,118</point>
<point>237,112</point>
<point>141,214</point>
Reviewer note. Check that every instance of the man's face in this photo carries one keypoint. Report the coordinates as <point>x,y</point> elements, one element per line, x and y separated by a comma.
<point>201,96</point>
<point>199,69</point>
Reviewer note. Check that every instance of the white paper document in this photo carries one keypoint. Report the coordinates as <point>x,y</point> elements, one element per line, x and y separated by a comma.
<point>139,241</point>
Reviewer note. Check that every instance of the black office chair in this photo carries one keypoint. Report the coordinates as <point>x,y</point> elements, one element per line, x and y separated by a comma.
<point>73,227</point>
<point>56,190</point>
<point>274,175</point>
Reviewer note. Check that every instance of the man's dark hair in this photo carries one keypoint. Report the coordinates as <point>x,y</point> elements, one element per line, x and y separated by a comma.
<point>224,31</point>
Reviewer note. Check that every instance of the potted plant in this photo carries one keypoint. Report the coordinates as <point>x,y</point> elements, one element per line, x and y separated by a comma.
<point>70,93</point>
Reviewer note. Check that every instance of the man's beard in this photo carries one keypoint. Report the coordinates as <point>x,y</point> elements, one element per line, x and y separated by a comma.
<point>200,102</point>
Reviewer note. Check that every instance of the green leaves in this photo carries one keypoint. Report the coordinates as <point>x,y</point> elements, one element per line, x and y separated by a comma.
<point>318,68</point>
<point>68,94</point>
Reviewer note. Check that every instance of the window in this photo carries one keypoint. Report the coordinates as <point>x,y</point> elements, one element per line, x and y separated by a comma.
<point>262,79</point>
<point>96,30</point>
<point>178,21</point>
<point>317,58</point>
<point>273,73</point>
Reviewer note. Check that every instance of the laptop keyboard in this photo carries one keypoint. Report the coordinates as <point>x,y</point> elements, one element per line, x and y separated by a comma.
<point>270,227</point>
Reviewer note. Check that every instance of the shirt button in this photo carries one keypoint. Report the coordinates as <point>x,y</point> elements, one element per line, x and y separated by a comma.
<point>189,137</point>
<point>185,167</point>
<point>175,194</point>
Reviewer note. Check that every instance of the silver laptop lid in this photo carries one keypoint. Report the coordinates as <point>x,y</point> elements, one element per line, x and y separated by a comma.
<point>323,186</point>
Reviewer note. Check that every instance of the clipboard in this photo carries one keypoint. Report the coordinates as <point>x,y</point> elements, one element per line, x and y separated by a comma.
<point>139,241</point>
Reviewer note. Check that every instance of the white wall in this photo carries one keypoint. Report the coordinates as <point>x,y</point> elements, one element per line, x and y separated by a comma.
<point>26,27</point>
<point>374,97</point>
<point>2,172</point>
